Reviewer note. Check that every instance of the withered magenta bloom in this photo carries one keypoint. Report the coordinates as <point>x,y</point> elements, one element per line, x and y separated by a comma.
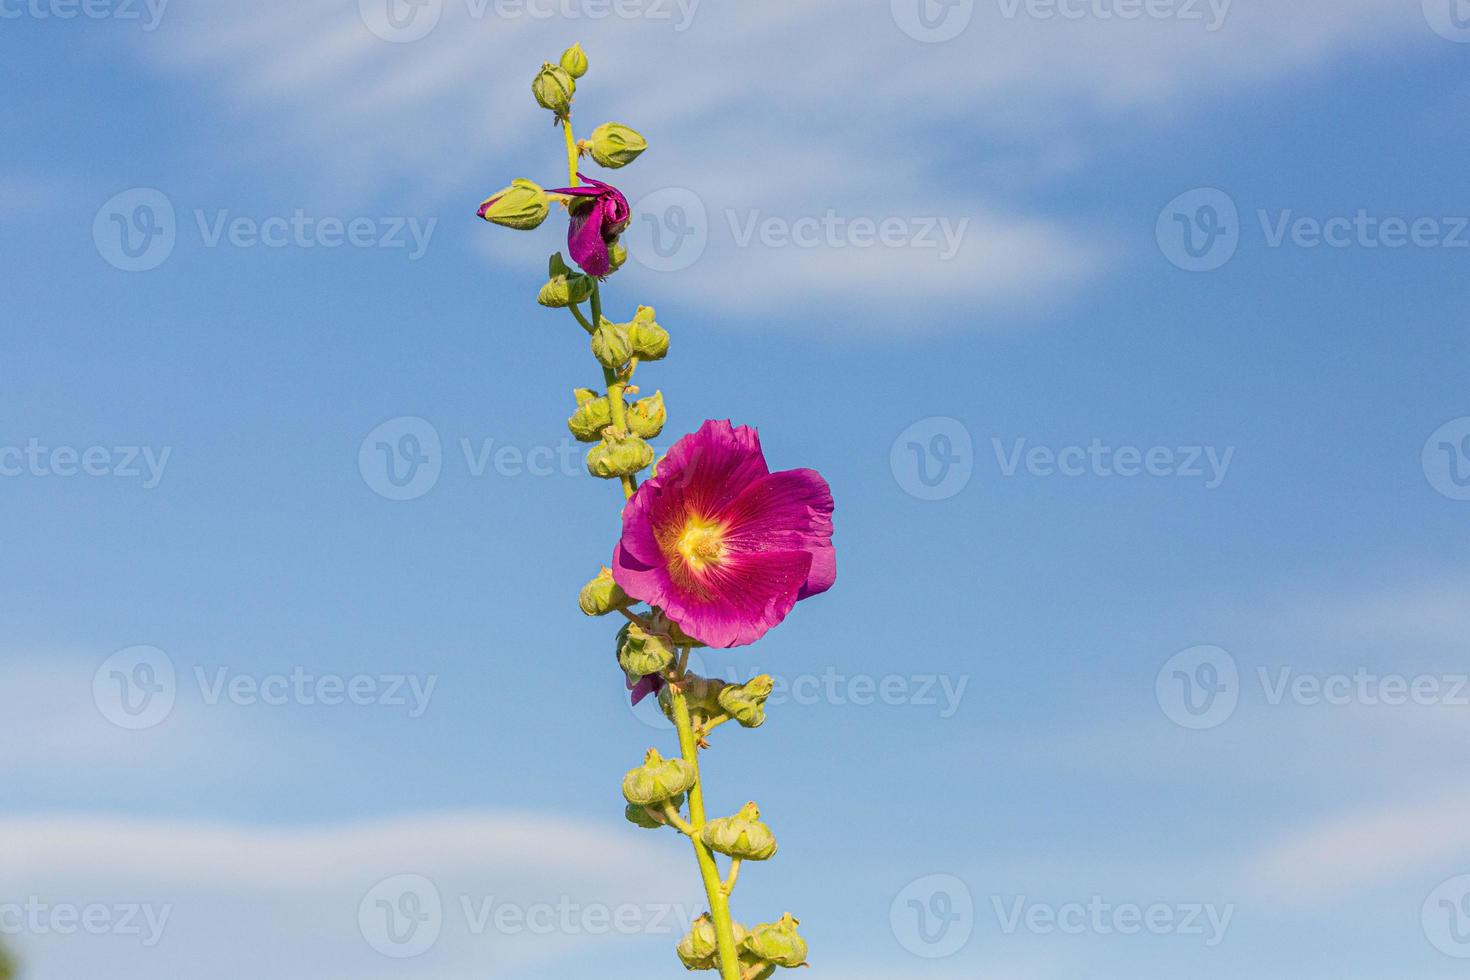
<point>724,546</point>
<point>599,216</point>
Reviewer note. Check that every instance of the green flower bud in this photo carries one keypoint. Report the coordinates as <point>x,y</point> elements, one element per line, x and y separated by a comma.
<point>617,456</point>
<point>657,780</point>
<point>754,969</point>
<point>614,145</point>
<point>699,949</point>
<point>702,694</point>
<point>617,254</point>
<point>610,344</point>
<point>523,206</point>
<point>645,653</point>
<point>653,820</point>
<point>741,836</point>
<point>663,624</point>
<point>650,342</point>
<point>646,416</point>
<point>593,414</point>
<point>564,287</point>
<point>602,595</point>
<point>574,60</point>
<point>777,943</point>
<point>554,88</point>
<point>746,702</point>
<point>639,816</point>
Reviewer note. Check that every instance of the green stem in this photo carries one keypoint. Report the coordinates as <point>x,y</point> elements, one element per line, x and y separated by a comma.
<point>714,888</point>
<point>586,323</point>
<point>614,390</point>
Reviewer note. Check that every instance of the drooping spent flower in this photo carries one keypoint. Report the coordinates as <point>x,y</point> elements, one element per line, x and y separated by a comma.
<point>722,545</point>
<point>600,214</point>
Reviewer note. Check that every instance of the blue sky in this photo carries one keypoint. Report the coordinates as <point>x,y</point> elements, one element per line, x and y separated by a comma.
<point>1151,615</point>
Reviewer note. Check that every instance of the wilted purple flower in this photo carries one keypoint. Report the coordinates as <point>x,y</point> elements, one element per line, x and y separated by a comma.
<point>599,215</point>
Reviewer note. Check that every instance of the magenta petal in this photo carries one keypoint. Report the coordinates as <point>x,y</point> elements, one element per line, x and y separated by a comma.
<point>646,685</point>
<point>748,595</point>
<point>787,511</point>
<point>585,241</point>
<point>708,469</point>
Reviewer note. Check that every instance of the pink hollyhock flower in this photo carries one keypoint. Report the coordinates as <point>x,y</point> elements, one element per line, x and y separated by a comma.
<point>599,216</point>
<point>722,545</point>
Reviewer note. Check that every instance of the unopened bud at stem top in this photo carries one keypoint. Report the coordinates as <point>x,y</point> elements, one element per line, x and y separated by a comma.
<point>554,87</point>
<point>574,60</point>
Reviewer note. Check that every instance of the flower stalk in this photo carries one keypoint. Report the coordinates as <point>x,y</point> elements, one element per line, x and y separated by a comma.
<point>707,577</point>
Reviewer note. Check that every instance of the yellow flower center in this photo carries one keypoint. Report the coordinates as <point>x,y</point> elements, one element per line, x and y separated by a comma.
<point>701,544</point>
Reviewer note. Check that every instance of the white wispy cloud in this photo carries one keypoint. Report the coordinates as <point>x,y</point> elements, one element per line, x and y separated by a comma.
<point>496,892</point>
<point>792,110</point>
<point>1344,854</point>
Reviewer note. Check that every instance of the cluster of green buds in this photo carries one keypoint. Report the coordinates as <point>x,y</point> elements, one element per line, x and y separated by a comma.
<point>762,949</point>
<point>555,85</point>
<point>621,430</point>
<point>712,702</point>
